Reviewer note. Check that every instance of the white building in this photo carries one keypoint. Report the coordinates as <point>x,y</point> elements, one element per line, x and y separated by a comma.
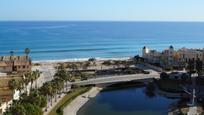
<point>171,56</point>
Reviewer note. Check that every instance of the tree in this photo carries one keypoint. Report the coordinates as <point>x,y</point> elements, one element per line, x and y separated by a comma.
<point>136,59</point>
<point>11,53</point>
<point>32,109</point>
<point>199,66</point>
<point>63,74</point>
<point>29,76</point>
<point>11,58</point>
<point>47,90</point>
<point>58,85</point>
<point>20,85</point>
<point>36,75</point>
<point>191,65</point>
<point>83,76</point>
<point>27,51</point>
<point>164,76</point>
<point>36,99</point>
<point>16,109</point>
<point>91,59</point>
<point>13,84</point>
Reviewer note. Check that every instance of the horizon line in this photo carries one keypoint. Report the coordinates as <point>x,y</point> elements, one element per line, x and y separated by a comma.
<point>180,21</point>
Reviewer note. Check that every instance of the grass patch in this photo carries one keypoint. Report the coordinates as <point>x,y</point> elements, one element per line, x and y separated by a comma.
<point>58,109</point>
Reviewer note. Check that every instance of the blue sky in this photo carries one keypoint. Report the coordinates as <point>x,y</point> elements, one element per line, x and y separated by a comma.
<point>118,10</point>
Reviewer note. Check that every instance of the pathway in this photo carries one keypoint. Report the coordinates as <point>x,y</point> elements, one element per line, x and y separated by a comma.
<point>77,103</point>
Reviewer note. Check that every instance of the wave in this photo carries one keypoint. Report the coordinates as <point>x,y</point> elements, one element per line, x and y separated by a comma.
<point>67,50</point>
<point>77,60</point>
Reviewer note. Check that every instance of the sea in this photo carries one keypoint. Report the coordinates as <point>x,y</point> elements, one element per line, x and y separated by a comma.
<point>70,40</point>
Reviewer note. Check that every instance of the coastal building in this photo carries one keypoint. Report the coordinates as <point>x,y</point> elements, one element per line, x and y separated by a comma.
<point>6,97</point>
<point>17,64</point>
<point>6,94</point>
<point>172,57</point>
<point>164,57</point>
<point>186,54</point>
<point>12,67</point>
<point>168,56</point>
<point>151,55</point>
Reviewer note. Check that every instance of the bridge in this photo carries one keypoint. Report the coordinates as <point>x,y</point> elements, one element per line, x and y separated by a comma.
<point>119,78</point>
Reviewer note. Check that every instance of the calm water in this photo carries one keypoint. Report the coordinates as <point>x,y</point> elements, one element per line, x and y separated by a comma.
<point>71,40</point>
<point>130,101</point>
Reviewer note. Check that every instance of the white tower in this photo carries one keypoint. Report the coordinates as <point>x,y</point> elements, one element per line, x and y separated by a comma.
<point>145,51</point>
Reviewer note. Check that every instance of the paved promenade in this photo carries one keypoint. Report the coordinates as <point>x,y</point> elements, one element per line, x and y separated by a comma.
<point>77,103</point>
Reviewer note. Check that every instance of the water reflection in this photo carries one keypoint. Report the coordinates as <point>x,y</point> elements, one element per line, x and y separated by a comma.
<point>137,100</point>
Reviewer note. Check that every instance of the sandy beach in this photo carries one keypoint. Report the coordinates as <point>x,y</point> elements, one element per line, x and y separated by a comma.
<point>48,69</point>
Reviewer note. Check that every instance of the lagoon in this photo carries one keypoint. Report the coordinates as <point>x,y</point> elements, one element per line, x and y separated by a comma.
<point>127,101</point>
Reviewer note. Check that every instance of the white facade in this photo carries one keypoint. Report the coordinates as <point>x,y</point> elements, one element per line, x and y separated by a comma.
<point>171,56</point>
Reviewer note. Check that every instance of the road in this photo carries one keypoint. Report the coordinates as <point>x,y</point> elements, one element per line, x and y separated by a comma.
<point>118,78</point>
<point>48,72</point>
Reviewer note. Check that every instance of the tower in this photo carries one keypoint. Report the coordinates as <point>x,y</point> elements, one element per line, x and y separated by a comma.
<point>170,55</point>
<point>145,51</point>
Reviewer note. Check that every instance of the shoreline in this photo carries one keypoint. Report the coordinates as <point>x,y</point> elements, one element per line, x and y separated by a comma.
<point>80,101</point>
<point>76,60</point>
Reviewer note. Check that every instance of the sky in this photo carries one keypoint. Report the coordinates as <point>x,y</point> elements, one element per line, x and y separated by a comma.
<point>102,10</point>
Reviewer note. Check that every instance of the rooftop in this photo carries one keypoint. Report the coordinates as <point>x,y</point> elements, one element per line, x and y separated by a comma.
<point>14,58</point>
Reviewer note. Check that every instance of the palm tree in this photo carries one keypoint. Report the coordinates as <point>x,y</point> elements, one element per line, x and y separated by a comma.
<point>20,86</point>
<point>54,90</point>
<point>26,81</point>
<point>62,74</point>
<point>47,90</point>
<point>11,58</point>
<point>30,78</point>
<point>59,85</point>
<point>36,76</point>
<point>27,51</point>
<point>11,53</point>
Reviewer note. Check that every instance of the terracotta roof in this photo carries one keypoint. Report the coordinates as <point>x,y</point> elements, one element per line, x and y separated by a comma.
<point>9,58</point>
<point>5,63</point>
<point>18,60</point>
